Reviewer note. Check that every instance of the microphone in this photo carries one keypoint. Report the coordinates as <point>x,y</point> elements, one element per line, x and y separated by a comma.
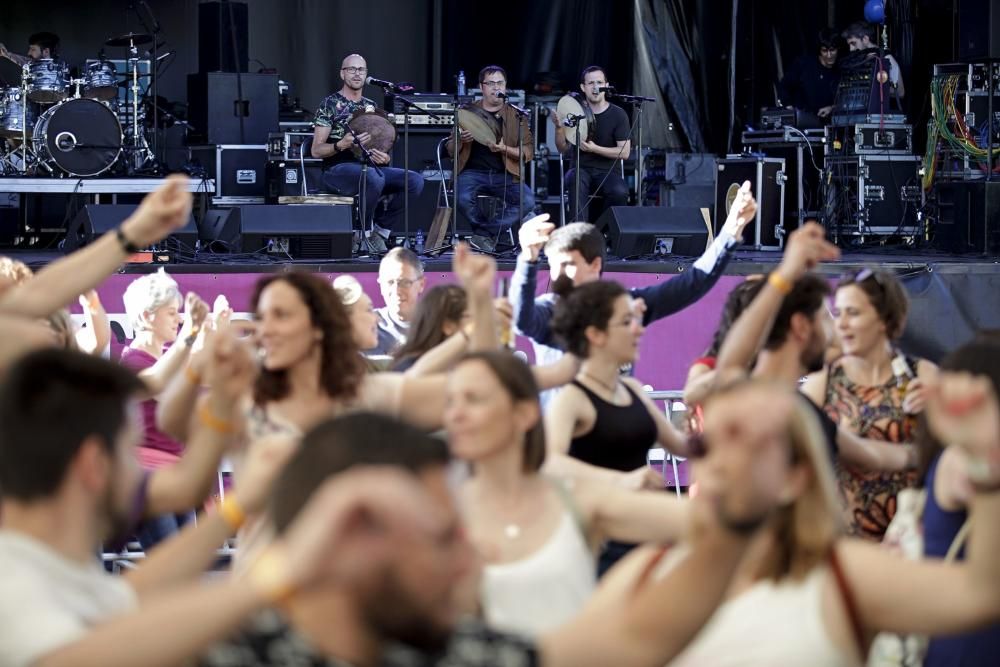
<point>502,95</point>
<point>606,89</point>
<point>389,85</point>
<point>572,119</point>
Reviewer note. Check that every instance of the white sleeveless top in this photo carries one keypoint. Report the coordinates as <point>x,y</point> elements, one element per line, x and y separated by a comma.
<point>545,589</point>
<point>772,624</point>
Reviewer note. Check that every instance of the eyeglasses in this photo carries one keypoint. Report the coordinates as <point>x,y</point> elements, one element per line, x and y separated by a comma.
<point>863,275</point>
<point>402,283</point>
<point>494,84</point>
<point>354,70</point>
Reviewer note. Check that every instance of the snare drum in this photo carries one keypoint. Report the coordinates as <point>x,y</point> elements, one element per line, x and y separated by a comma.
<point>15,113</point>
<point>48,80</point>
<point>100,81</point>
<point>80,137</point>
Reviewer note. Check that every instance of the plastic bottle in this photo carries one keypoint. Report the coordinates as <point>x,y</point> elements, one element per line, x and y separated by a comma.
<point>418,242</point>
<point>461,82</point>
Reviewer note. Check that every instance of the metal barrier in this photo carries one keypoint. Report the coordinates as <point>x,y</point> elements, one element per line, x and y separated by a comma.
<point>673,405</point>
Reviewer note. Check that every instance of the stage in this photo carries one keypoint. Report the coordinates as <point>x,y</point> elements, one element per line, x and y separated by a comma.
<point>951,296</point>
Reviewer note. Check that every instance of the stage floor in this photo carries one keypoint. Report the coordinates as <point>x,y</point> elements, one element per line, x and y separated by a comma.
<point>744,262</point>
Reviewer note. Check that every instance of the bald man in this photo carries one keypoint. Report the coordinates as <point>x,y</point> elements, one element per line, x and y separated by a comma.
<point>332,143</point>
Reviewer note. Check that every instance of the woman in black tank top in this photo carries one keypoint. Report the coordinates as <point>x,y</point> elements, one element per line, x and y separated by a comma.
<point>603,425</point>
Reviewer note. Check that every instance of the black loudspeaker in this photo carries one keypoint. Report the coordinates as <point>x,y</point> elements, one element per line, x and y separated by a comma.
<point>633,231</point>
<point>978,29</point>
<point>215,108</point>
<point>218,23</point>
<point>93,220</point>
<point>303,231</point>
<point>968,217</point>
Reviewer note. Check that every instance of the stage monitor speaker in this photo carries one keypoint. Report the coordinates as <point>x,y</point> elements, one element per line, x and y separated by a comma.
<point>633,231</point>
<point>302,231</point>
<point>968,217</point>
<point>218,22</point>
<point>93,220</point>
<point>978,30</point>
<point>215,108</point>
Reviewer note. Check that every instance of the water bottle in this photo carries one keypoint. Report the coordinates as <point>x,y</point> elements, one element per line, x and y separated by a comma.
<point>418,243</point>
<point>461,82</point>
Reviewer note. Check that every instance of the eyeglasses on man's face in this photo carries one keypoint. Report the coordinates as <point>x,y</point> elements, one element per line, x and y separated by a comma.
<point>355,70</point>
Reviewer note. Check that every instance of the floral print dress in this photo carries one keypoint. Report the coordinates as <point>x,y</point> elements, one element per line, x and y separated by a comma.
<point>874,412</point>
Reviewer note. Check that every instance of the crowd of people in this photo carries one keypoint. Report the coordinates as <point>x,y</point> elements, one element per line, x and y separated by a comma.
<point>407,491</point>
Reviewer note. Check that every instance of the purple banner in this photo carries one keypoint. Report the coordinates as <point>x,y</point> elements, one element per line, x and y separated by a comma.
<point>667,349</point>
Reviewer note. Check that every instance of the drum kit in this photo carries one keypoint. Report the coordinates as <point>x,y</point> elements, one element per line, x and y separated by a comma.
<point>56,125</point>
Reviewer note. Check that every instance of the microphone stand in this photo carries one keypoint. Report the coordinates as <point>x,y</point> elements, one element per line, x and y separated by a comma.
<point>407,105</point>
<point>456,145</point>
<point>366,160</point>
<point>573,120</point>
<point>636,102</point>
<point>522,113</point>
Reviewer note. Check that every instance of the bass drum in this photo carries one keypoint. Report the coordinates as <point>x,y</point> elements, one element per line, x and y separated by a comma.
<point>80,137</point>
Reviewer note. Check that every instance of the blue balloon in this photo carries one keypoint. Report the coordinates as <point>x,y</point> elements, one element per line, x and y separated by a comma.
<point>875,11</point>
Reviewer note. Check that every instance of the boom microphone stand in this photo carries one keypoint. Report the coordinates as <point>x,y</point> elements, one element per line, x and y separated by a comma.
<point>636,102</point>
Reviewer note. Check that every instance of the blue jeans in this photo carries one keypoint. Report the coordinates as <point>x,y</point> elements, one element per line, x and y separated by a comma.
<point>473,182</point>
<point>345,179</point>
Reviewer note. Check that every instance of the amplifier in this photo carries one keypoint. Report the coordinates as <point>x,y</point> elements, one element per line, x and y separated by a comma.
<point>767,180</point>
<point>873,195</point>
<point>288,146</point>
<point>424,120</point>
<point>427,101</point>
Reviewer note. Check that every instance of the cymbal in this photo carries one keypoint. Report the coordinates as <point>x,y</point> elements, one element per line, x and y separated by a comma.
<point>130,39</point>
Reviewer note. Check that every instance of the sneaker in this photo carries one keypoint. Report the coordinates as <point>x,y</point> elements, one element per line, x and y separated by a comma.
<point>376,244</point>
<point>482,243</point>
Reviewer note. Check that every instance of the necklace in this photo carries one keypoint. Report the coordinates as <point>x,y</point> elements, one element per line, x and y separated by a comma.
<point>612,388</point>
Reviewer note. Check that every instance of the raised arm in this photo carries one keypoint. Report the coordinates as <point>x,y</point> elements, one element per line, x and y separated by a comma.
<point>633,516</point>
<point>531,318</point>
<point>95,337</point>
<point>55,286</point>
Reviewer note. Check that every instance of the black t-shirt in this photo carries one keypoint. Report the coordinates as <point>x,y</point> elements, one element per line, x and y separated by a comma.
<point>808,85</point>
<point>828,426</point>
<point>610,126</point>
<point>482,158</point>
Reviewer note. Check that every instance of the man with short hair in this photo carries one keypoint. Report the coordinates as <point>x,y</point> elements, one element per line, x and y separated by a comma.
<point>333,143</point>
<point>600,154</point>
<point>40,45</point>
<point>401,280</point>
<point>494,170</point>
<point>69,428</point>
<point>407,611</point>
<point>576,255</point>
<point>861,38</point>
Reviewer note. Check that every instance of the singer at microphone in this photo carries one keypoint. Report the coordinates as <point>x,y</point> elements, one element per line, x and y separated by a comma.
<point>607,144</point>
<point>388,85</point>
<point>489,161</point>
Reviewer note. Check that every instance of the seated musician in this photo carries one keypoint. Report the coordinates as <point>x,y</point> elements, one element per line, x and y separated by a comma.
<point>600,154</point>
<point>40,45</point>
<point>332,142</point>
<point>494,170</point>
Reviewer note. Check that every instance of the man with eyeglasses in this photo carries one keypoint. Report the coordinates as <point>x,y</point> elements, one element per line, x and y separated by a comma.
<point>600,153</point>
<point>332,142</point>
<point>494,170</point>
<point>810,82</point>
<point>401,281</point>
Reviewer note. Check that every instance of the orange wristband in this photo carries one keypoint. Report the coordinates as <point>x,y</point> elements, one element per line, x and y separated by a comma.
<point>209,420</point>
<point>268,575</point>
<point>778,282</point>
<point>232,513</point>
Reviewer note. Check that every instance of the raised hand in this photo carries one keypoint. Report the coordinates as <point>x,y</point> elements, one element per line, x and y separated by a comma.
<point>231,369</point>
<point>743,210</point>
<point>196,309</point>
<point>161,212</point>
<point>475,272</point>
<point>533,236</point>
<point>806,247</point>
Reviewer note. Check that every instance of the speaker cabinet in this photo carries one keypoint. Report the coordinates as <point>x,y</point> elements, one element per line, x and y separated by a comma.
<point>968,217</point>
<point>634,231</point>
<point>93,220</point>
<point>216,107</point>
<point>302,231</point>
<point>221,26</point>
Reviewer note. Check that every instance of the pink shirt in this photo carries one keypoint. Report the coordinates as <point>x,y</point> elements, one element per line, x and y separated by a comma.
<point>157,447</point>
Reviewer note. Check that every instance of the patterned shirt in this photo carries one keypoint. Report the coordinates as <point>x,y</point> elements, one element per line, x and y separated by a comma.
<point>268,641</point>
<point>334,112</point>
